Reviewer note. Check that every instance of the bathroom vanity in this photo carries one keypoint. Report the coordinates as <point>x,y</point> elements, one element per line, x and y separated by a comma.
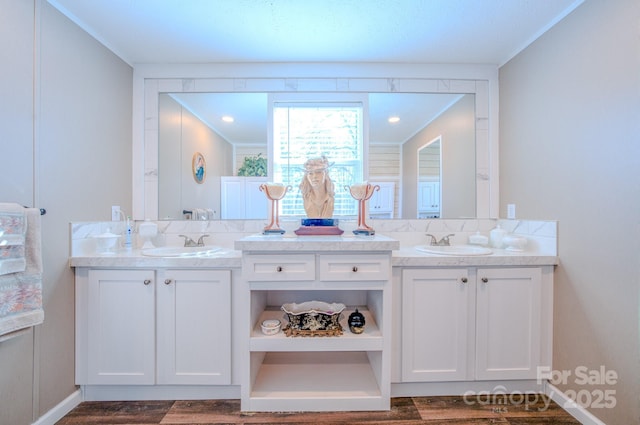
<point>190,327</point>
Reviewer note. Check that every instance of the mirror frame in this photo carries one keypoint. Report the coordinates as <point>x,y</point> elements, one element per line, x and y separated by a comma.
<point>151,80</point>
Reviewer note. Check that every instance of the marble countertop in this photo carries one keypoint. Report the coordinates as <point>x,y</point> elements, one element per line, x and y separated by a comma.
<point>225,258</point>
<point>278,243</point>
<point>230,258</point>
<point>410,257</point>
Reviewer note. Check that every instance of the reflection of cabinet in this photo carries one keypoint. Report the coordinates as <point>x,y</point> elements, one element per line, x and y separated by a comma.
<point>428,199</point>
<point>474,324</point>
<point>120,312</point>
<point>347,372</point>
<point>241,198</point>
<point>381,204</point>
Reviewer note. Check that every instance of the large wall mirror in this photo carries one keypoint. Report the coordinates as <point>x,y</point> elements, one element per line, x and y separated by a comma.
<point>185,117</point>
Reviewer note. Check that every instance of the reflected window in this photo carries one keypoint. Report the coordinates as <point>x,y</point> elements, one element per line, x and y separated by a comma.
<point>303,130</point>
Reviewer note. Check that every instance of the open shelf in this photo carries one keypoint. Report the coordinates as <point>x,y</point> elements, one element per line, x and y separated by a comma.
<point>313,381</point>
<point>370,340</point>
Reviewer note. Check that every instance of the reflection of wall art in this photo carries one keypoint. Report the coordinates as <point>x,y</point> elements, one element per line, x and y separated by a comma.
<point>199,167</point>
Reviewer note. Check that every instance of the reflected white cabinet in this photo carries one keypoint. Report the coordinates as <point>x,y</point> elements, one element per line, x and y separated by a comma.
<point>146,327</point>
<point>381,204</point>
<point>464,324</point>
<point>241,198</point>
<point>428,199</point>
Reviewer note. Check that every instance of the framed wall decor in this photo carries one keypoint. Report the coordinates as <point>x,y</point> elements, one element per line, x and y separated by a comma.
<point>199,167</point>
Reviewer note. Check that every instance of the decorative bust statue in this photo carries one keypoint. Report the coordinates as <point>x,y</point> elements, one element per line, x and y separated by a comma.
<point>317,188</point>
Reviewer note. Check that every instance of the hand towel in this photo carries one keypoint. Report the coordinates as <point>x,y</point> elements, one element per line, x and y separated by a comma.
<point>13,227</point>
<point>21,292</point>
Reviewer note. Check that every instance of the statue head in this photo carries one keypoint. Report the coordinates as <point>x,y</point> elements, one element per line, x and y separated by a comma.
<point>317,188</point>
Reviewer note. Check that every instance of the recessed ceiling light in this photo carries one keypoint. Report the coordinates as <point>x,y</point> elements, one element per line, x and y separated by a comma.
<point>227,118</point>
<point>394,119</point>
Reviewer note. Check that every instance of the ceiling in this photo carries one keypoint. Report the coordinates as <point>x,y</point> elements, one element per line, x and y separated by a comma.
<point>384,31</point>
<point>415,31</point>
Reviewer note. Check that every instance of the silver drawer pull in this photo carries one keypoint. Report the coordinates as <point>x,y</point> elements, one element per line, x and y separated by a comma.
<point>167,281</point>
<point>147,281</point>
<point>279,269</point>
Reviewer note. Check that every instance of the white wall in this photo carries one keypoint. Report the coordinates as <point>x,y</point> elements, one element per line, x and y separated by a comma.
<point>570,150</point>
<point>73,157</point>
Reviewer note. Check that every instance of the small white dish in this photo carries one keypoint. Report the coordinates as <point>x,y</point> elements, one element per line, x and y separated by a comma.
<point>270,326</point>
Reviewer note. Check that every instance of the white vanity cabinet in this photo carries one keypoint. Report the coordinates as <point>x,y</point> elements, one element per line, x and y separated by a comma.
<point>153,327</point>
<point>318,373</point>
<point>429,199</point>
<point>241,198</point>
<point>381,204</point>
<point>464,324</point>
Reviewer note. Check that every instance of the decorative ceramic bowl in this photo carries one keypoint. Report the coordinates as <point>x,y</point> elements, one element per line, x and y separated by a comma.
<point>270,327</point>
<point>106,243</point>
<point>514,243</point>
<point>314,317</point>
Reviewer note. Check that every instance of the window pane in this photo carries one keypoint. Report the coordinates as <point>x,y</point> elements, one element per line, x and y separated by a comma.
<point>303,131</point>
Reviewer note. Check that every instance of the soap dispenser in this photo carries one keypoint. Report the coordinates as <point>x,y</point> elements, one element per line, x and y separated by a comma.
<point>496,235</point>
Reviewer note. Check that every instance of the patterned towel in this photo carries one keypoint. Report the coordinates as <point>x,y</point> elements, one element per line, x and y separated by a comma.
<point>13,228</point>
<point>21,292</point>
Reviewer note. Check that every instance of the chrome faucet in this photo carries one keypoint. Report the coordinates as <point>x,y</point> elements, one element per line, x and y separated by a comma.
<point>442,242</point>
<point>188,242</point>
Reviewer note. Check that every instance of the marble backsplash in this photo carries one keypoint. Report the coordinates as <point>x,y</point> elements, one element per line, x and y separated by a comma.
<point>541,235</point>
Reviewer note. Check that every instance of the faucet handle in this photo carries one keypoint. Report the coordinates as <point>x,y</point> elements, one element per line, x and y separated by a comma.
<point>445,239</point>
<point>433,239</point>
<point>201,240</point>
<point>188,241</point>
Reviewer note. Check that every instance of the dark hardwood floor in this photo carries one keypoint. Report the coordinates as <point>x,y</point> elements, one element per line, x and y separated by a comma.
<point>535,409</point>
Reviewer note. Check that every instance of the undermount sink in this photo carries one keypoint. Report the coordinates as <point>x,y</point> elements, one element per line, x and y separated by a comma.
<point>459,250</point>
<point>181,251</point>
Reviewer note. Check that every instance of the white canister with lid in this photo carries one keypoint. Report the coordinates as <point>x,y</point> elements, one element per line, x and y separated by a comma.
<point>496,235</point>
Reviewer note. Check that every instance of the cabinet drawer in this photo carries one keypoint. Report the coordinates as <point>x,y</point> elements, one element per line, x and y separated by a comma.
<point>354,267</point>
<point>280,268</point>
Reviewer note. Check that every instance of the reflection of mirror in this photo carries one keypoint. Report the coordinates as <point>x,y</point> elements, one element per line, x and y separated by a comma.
<point>455,128</point>
<point>483,168</point>
<point>193,120</point>
<point>429,180</point>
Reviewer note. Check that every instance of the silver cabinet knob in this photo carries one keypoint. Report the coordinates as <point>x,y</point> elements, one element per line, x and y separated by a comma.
<point>279,269</point>
<point>167,281</point>
<point>464,280</point>
<point>147,281</point>
<point>484,280</point>
<point>355,268</point>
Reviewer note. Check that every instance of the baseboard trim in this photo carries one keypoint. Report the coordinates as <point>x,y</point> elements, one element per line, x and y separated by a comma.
<point>61,409</point>
<point>571,407</point>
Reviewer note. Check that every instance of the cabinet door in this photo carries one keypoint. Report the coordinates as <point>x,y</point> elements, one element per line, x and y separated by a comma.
<point>428,197</point>
<point>508,327</point>
<point>256,203</point>
<point>382,200</point>
<point>121,343</point>
<point>240,198</point>
<point>437,319</point>
<point>194,327</point>
<point>232,194</point>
